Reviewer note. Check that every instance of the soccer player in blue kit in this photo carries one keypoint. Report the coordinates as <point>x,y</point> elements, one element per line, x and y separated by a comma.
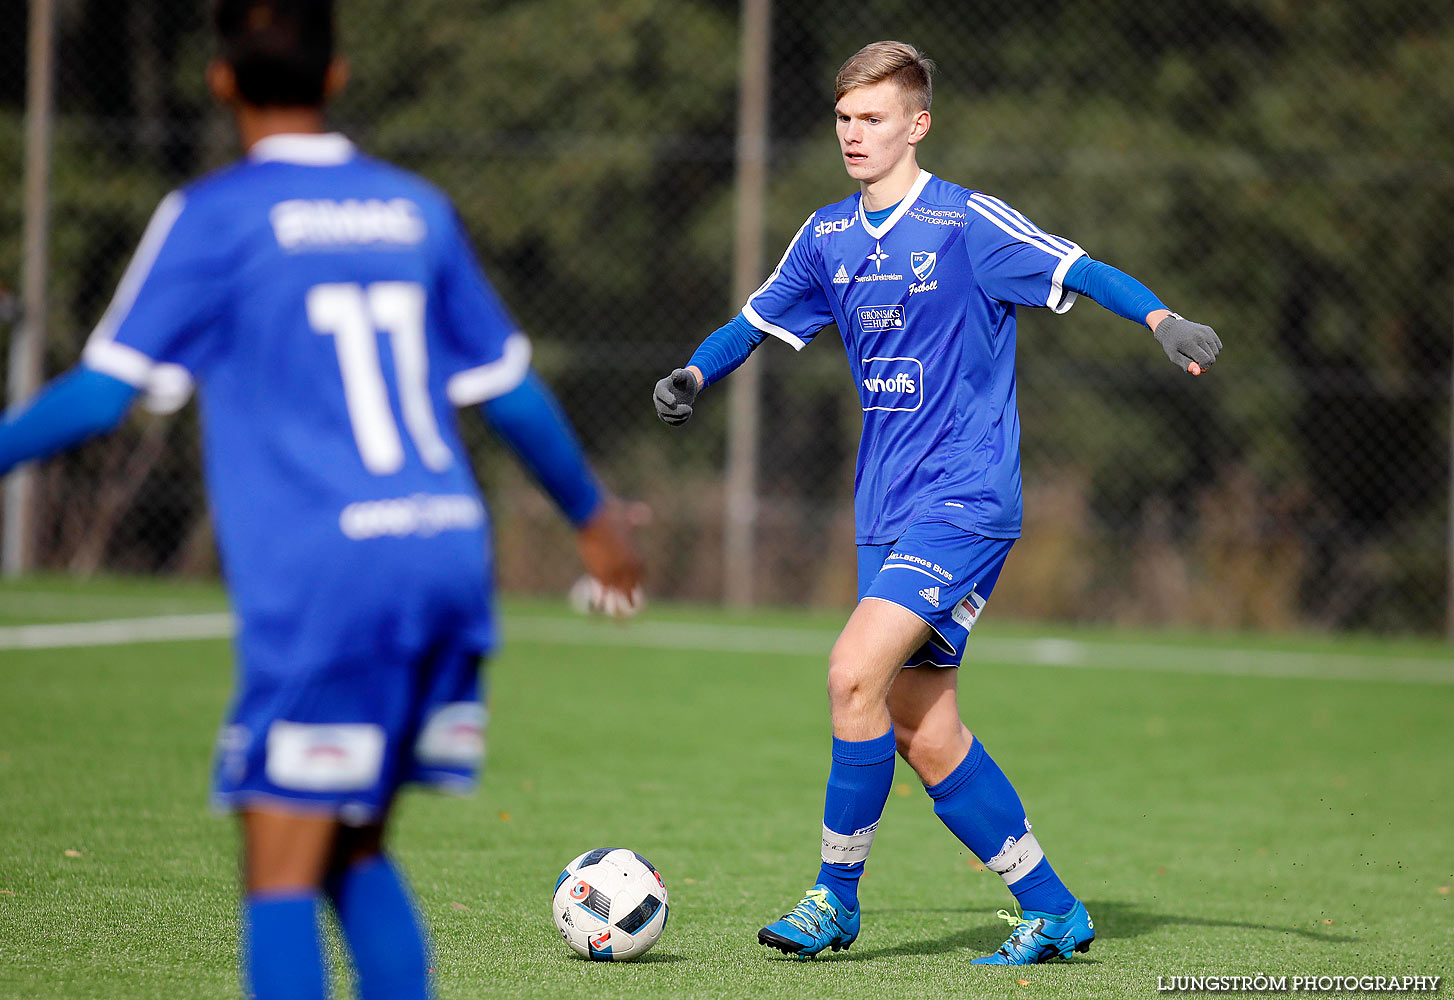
<point>922,278</point>
<point>332,314</point>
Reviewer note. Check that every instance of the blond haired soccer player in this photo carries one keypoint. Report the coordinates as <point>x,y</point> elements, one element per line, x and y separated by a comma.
<point>923,279</point>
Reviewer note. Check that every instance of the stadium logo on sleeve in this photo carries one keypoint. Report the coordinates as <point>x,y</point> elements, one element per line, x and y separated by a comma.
<point>835,225</point>
<point>895,384</point>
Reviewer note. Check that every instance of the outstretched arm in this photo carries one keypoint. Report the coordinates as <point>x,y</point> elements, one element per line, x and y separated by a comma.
<point>1192,347</point>
<point>719,355</point>
<point>533,425</point>
<point>73,407</point>
<point>530,421</point>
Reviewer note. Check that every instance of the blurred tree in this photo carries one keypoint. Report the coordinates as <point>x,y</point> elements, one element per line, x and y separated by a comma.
<point>1280,169</point>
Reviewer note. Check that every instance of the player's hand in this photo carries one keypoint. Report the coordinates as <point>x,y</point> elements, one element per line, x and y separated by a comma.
<point>675,395</point>
<point>611,560</point>
<point>1192,347</point>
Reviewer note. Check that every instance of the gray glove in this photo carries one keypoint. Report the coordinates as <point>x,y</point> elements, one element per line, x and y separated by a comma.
<point>675,395</point>
<point>1185,342</point>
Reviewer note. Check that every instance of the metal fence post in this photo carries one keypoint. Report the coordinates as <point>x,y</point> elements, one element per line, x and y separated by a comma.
<point>739,536</point>
<point>1449,541</point>
<point>27,348</point>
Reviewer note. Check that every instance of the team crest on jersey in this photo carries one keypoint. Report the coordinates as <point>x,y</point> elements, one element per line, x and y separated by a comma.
<point>923,261</point>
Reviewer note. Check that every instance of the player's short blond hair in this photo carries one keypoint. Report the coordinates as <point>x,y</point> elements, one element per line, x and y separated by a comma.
<point>896,61</point>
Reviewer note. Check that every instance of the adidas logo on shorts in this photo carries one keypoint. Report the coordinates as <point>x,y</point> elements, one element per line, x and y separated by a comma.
<point>930,594</point>
<point>841,278</point>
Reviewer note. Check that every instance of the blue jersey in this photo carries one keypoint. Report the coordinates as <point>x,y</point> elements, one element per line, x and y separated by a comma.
<point>331,314</point>
<point>925,303</point>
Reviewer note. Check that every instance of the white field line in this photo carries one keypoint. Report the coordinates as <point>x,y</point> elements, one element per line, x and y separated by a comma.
<point>696,639</point>
<point>69,606</point>
<point>118,632</point>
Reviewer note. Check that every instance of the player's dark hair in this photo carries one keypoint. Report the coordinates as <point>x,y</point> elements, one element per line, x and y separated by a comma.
<point>279,50</point>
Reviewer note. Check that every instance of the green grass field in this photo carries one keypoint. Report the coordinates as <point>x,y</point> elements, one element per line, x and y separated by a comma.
<point>1225,805</point>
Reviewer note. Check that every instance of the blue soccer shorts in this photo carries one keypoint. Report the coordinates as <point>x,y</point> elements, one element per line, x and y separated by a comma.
<point>340,739</point>
<point>941,573</point>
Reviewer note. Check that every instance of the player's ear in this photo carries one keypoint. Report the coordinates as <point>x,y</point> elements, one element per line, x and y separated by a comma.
<point>222,82</point>
<point>336,78</point>
<point>919,128</point>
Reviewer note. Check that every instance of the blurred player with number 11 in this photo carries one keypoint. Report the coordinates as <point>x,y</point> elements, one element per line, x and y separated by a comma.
<point>330,311</point>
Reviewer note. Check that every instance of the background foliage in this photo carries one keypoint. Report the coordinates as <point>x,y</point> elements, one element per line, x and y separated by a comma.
<point>1281,170</point>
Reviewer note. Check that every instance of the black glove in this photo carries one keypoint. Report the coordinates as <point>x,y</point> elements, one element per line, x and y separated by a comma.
<point>675,395</point>
<point>1185,342</point>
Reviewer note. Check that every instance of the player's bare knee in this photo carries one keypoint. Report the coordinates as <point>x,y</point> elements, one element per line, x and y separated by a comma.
<point>846,686</point>
<point>852,688</point>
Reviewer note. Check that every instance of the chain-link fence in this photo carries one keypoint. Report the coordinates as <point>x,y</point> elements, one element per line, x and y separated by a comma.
<point>1283,171</point>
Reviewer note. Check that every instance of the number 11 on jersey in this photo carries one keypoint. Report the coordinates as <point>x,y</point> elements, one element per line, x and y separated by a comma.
<point>353,315</point>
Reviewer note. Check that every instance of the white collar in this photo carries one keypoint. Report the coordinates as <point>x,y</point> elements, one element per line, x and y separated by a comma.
<point>879,231</point>
<point>308,149</point>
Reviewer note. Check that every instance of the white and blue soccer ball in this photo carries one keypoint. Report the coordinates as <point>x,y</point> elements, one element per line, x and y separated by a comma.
<point>610,905</point>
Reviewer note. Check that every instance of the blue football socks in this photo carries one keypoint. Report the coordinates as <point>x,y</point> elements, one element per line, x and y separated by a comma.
<point>282,950</point>
<point>858,787</point>
<point>980,807</point>
<point>377,916</point>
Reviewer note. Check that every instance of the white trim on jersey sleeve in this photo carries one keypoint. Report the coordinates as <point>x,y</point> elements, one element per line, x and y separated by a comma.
<point>752,316</point>
<point>1061,298</point>
<point>1014,224</point>
<point>147,251</point>
<point>1025,228</point>
<point>167,386</point>
<point>488,381</point>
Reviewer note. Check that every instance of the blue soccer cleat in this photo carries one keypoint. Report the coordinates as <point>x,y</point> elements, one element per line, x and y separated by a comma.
<point>1037,937</point>
<point>819,921</point>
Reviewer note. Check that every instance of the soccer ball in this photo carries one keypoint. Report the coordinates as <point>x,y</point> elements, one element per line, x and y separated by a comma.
<point>610,905</point>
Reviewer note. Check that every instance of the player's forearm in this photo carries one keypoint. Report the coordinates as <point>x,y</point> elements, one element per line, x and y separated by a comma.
<point>533,425</point>
<point>724,350</point>
<point>1192,347</point>
<point>1116,290</point>
<point>73,407</point>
